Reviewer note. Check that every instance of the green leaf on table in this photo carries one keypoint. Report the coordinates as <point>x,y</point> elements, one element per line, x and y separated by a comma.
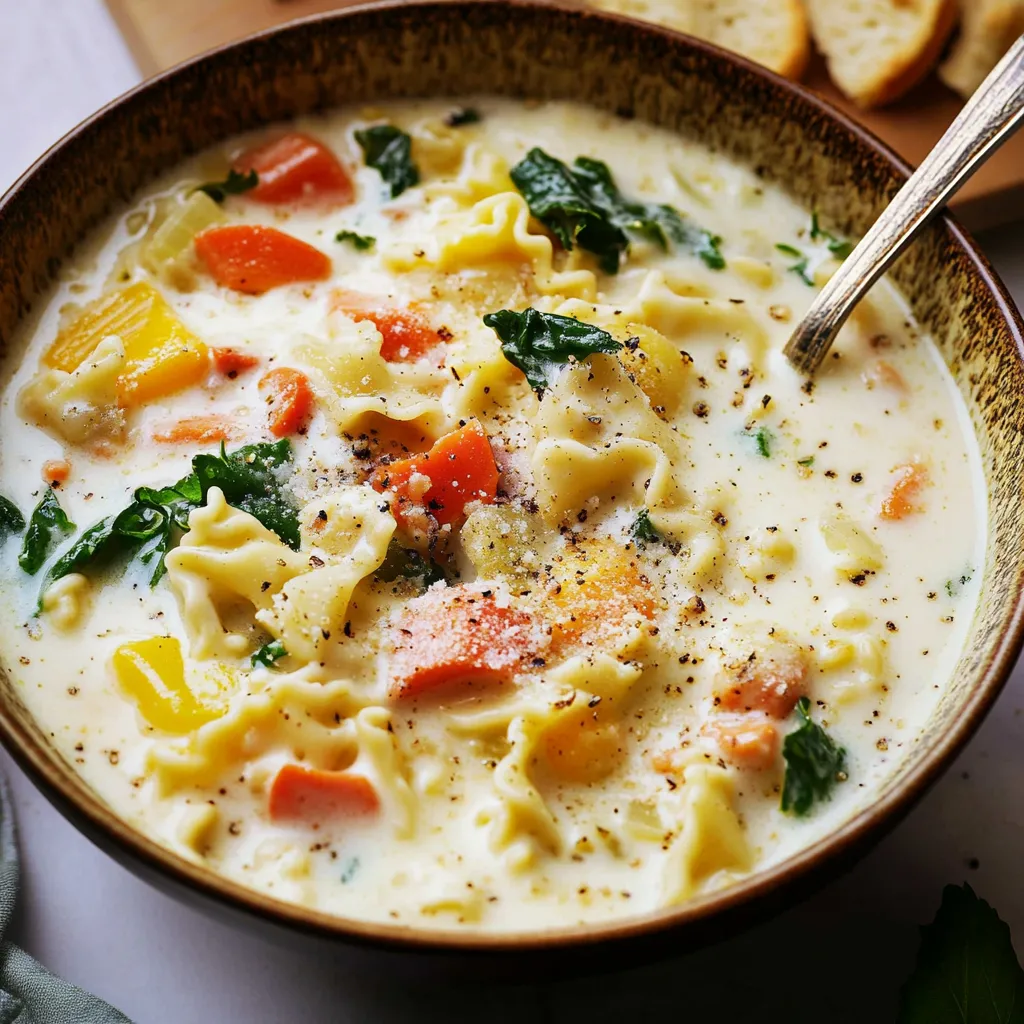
<point>839,247</point>
<point>268,654</point>
<point>388,150</point>
<point>11,519</point>
<point>814,763</point>
<point>233,185</point>
<point>360,242</point>
<point>45,527</point>
<point>540,344</point>
<point>967,971</point>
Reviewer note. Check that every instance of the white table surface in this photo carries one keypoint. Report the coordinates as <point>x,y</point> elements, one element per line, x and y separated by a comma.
<point>839,957</point>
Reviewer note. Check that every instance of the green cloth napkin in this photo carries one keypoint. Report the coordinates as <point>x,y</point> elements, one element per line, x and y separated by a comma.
<point>29,993</point>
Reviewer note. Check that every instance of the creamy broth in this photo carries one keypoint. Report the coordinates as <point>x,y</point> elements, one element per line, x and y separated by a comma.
<point>683,539</point>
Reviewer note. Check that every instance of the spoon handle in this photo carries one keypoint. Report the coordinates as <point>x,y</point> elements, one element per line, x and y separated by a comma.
<point>987,120</point>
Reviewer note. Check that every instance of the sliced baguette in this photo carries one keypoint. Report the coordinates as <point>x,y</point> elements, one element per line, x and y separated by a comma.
<point>877,49</point>
<point>989,28</point>
<point>771,32</point>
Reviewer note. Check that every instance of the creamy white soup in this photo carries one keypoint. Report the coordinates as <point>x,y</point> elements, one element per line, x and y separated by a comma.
<point>410,513</point>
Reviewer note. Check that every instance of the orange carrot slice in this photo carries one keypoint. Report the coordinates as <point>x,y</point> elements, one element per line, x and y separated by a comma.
<point>290,399</point>
<point>770,682</point>
<point>296,168</point>
<point>211,429</point>
<point>747,741</point>
<point>310,795</point>
<point>231,362</point>
<point>252,259</point>
<point>458,469</point>
<point>458,637</point>
<point>56,471</point>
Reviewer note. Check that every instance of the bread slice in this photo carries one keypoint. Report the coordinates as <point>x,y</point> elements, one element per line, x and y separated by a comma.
<point>877,49</point>
<point>988,30</point>
<point>771,32</point>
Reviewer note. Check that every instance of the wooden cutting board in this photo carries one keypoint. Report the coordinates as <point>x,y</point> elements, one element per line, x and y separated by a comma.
<point>162,33</point>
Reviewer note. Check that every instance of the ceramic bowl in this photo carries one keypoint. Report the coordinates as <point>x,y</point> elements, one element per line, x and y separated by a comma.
<point>530,50</point>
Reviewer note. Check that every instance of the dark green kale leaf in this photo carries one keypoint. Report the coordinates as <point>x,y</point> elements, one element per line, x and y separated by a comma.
<point>251,480</point>
<point>96,541</point>
<point>657,222</point>
<point>562,204</point>
<point>389,150</point>
<point>839,247</point>
<point>359,242</point>
<point>800,268</point>
<point>268,654</point>
<point>643,531</point>
<point>463,115</point>
<point>47,523</point>
<point>233,185</point>
<point>540,344</point>
<point>11,519</point>
<point>967,971</point>
<point>814,763</point>
<point>402,563</point>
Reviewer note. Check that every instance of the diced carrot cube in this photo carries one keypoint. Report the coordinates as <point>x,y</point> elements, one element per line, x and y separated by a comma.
<point>747,741</point>
<point>252,259</point>
<point>457,637</point>
<point>771,681</point>
<point>458,469</point>
<point>231,362</point>
<point>407,334</point>
<point>904,494</point>
<point>289,396</point>
<point>312,796</point>
<point>296,168</point>
<point>56,471</point>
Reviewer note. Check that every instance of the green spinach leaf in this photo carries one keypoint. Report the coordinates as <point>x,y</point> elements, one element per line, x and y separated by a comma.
<point>11,519</point>
<point>360,242</point>
<point>967,971</point>
<point>801,267</point>
<point>251,480</point>
<point>763,440</point>
<point>643,531</point>
<point>561,203</point>
<point>540,344</point>
<point>268,654</point>
<point>839,247</point>
<point>402,563</point>
<point>463,115</point>
<point>47,523</point>
<point>233,185</point>
<point>658,222</point>
<point>814,763</point>
<point>389,151</point>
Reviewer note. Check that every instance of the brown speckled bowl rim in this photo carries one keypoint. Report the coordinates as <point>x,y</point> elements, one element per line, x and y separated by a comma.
<point>707,917</point>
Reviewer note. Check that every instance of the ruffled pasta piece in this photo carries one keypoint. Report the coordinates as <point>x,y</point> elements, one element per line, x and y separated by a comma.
<point>519,821</point>
<point>382,763</point>
<point>66,600</point>
<point>712,844</point>
<point>602,445</point>
<point>227,559</point>
<point>298,711</point>
<point>353,378</point>
<point>494,235</point>
<point>348,535</point>
<point>81,407</point>
<point>483,173</point>
<point>855,667</point>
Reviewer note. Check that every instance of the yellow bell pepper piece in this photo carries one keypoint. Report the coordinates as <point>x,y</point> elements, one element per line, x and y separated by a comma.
<point>152,673</point>
<point>161,355</point>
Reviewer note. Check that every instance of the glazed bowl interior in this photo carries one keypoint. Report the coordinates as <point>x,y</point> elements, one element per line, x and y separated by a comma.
<point>539,52</point>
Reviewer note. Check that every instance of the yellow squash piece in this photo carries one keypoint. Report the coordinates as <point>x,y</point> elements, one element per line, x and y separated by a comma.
<point>161,355</point>
<point>152,673</point>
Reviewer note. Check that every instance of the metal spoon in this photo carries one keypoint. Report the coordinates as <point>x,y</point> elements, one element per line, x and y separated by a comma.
<point>987,120</point>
